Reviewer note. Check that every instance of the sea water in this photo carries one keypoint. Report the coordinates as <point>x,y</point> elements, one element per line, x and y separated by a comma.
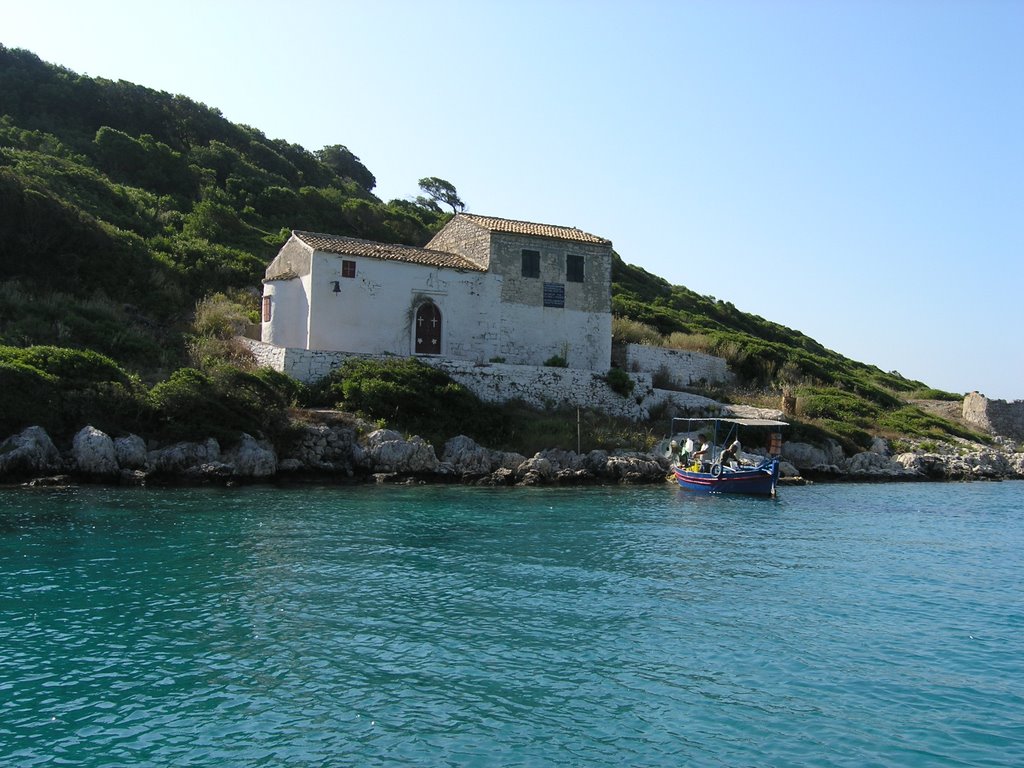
<point>839,625</point>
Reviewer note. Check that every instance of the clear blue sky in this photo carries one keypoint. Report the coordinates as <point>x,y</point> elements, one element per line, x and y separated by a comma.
<point>853,169</point>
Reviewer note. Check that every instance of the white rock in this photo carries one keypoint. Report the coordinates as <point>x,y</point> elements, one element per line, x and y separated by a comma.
<point>93,452</point>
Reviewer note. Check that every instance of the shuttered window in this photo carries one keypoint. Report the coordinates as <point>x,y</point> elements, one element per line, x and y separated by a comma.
<point>573,268</point>
<point>531,263</point>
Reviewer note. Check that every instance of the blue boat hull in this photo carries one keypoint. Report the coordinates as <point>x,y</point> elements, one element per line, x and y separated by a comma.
<point>760,480</point>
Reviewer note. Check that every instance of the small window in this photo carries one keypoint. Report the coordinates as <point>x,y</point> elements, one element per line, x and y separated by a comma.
<point>531,263</point>
<point>574,268</point>
<point>266,309</point>
<point>348,268</point>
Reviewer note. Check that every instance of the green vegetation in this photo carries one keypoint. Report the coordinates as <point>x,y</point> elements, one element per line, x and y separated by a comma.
<point>619,381</point>
<point>137,225</point>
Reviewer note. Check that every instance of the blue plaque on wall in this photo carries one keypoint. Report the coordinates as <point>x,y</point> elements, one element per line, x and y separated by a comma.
<point>554,295</point>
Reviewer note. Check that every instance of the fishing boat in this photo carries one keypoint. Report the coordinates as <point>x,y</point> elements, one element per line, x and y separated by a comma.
<point>722,467</point>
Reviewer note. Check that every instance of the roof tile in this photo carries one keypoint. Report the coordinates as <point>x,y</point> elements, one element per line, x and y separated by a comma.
<point>495,224</point>
<point>351,246</point>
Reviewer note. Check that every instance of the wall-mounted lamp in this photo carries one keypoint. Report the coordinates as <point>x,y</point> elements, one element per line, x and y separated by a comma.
<point>337,286</point>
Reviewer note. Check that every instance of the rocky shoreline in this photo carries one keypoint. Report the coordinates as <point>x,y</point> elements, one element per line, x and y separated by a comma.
<point>342,449</point>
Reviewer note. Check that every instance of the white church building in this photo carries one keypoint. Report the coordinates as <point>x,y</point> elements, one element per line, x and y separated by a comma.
<point>484,290</point>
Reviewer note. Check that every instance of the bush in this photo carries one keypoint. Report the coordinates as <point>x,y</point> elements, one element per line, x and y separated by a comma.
<point>62,390</point>
<point>223,403</point>
<point>409,395</point>
<point>627,331</point>
<point>620,381</point>
<point>30,398</point>
<point>556,361</point>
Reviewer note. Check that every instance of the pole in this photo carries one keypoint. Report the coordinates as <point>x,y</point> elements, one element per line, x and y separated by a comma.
<point>577,431</point>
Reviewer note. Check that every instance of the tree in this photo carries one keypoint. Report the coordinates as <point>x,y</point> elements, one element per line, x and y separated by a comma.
<point>441,191</point>
<point>340,159</point>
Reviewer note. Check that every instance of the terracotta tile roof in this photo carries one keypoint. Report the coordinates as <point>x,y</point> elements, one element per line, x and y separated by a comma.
<point>351,246</point>
<point>495,224</point>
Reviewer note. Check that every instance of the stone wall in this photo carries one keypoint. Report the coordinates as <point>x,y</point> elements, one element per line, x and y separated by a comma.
<point>538,386</point>
<point>682,368</point>
<point>997,417</point>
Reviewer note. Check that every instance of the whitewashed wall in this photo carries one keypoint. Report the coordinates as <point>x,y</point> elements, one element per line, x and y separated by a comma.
<point>373,313</point>
<point>684,368</point>
<point>289,312</point>
<point>539,386</point>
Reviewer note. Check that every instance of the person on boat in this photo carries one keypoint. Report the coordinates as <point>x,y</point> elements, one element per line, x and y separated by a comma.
<point>730,454</point>
<point>691,453</point>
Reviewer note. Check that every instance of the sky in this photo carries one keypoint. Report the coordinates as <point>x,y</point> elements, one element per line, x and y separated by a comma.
<point>852,169</point>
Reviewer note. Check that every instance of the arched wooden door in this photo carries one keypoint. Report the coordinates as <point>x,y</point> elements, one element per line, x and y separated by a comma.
<point>428,329</point>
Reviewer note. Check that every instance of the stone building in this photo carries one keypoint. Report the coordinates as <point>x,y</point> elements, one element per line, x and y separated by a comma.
<point>484,289</point>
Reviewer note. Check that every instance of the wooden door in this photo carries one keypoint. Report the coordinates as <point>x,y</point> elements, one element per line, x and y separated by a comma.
<point>428,329</point>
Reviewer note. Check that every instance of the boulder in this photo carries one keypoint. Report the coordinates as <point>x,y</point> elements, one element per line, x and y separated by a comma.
<point>880,446</point>
<point>177,458</point>
<point>130,452</point>
<point>31,452</point>
<point>387,451</point>
<point>93,452</point>
<point>535,471</point>
<point>252,458</point>
<point>563,460</point>
<point>466,457</point>
<point>870,464</point>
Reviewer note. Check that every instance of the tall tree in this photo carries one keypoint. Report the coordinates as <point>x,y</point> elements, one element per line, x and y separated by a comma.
<point>339,158</point>
<point>441,191</point>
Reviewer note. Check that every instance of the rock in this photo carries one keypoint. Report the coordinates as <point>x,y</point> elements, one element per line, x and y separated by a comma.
<point>180,457</point>
<point>332,448</point>
<point>132,477</point>
<point>31,452</point>
<point>636,468</point>
<point>561,460</point>
<point>870,464</point>
<point>535,471</point>
<point>252,458</point>
<point>93,452</point>
<point>54,481</point>
<point>130,452</point>
<point>500,476</point>
<point>465,457</point>
<point>880,446</point>
<point>804,455</point>
<point>387,451</point>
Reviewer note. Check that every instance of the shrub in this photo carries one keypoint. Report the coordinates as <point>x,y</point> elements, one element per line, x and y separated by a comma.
<point>409,395</point>
<point>30,398</point>
<point>620,381</point>
<point>222,403</point>
<point>628,331</point>
<point>65,389</point>
<point>556,361</point>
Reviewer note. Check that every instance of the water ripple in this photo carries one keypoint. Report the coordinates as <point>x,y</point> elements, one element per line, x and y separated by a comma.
<point>447,626</point>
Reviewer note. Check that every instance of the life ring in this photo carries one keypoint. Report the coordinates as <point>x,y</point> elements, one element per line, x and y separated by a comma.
<point>716,470</point>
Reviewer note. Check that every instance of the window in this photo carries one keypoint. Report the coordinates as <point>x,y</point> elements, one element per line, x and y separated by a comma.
<point>266,309</point>
<point>574,268</point>
<point>531,263</point>
<point>348,268</point>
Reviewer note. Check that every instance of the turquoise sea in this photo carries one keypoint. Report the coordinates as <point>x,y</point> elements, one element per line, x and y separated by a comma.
<point>839,625</point>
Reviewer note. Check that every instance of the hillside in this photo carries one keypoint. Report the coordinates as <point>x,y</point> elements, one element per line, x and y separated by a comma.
<point>124,207</point>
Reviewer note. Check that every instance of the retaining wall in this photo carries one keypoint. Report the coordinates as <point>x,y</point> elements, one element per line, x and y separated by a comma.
<point>998,417</point>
